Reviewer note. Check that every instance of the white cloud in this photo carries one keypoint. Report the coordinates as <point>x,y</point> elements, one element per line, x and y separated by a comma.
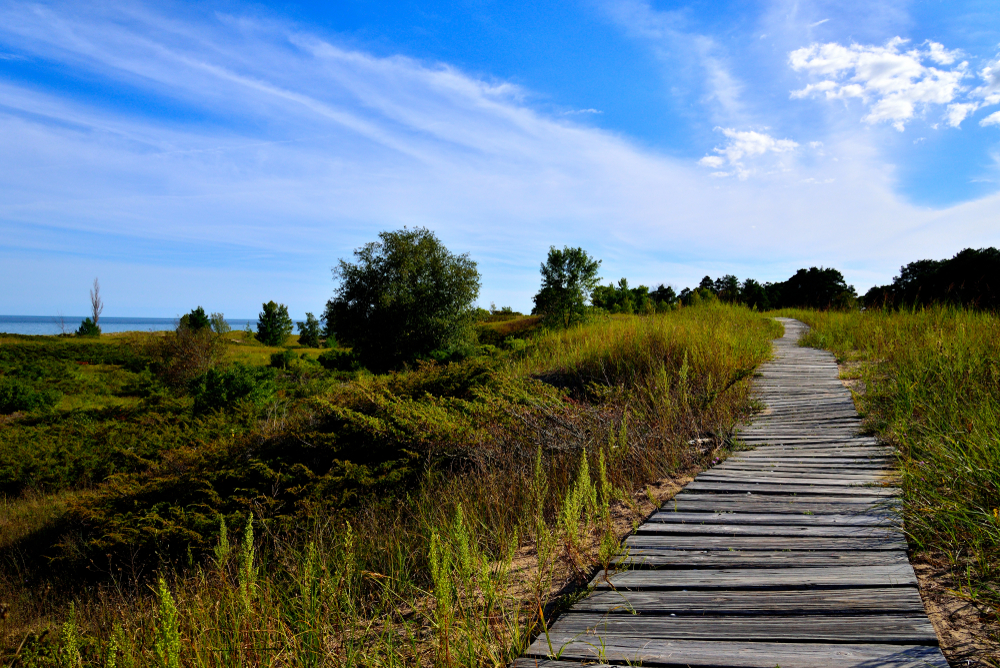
<point>818,23</point>
<point>894,83</point>
<point>992,119</point>
<point>742,145</point>
<point>957,112</point>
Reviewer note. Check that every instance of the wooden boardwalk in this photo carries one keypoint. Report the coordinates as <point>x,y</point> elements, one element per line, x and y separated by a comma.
<point>786,555</point>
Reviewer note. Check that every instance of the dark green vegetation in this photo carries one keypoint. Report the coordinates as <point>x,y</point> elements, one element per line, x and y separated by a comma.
<point>273,324</point>
<point>932,380</point>
<point>815,288</point>
<point>305,516</point>
<point>309,332</point>
<point>568,277</point>
<point>406,297</point>
<point>971,279</point>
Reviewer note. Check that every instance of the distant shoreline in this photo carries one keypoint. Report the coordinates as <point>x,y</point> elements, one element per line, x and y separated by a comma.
<point>53,325</point>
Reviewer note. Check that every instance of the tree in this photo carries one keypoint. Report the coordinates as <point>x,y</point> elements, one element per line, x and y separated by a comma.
<point>568,277</point>
<point>96,303</point>
<point>727,288</point>
<point>663,295</point>
<point>88,328</point>
<point>309,332</point>
<point>754,295</point>
<point>219,324</point>
<point>195,321</point>
<point>405,297</point>
<point>813,288</point>
<point>273,324</point>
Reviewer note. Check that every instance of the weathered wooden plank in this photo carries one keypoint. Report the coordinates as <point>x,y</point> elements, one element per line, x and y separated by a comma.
<point>778,488</point>
<point>637,557</point>
<point>784,530</point>
<point>753,477</point>
<point>754,503</point>
<point>889,629</point>
<point>791,602</point>
<point>734,654</point>
<point>678,517</point>
<point>754,578</point>
<point>702,542</point>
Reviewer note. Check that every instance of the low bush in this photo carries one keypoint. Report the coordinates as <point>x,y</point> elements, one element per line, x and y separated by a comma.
<point>88,328</point>
<point>337,359</point>
<point>223,388</point>
<point>283,359</point>
<point>17,395</point>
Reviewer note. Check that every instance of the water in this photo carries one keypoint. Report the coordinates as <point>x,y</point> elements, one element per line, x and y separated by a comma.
<point>53,324</point>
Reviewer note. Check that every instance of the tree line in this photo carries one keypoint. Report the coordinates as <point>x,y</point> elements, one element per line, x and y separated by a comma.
<point>406,297</point>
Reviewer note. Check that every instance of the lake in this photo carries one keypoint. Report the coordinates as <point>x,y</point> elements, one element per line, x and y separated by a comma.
<point>54,324</point>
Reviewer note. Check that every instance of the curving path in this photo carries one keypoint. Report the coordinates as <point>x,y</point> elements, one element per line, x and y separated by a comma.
<point>786,555</point>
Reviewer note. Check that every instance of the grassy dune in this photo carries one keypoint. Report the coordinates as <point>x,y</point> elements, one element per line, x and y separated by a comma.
<point>434,516</point>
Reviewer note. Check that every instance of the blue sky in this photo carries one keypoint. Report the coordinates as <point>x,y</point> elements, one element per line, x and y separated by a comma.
<point>224,154</point>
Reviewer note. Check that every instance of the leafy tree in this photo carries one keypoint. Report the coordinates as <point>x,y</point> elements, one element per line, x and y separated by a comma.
<point>568,277</point>
<point>971,278</point>
<point>405,297</point>
<point>664,294</point>
<point>754,295</point>
<point>219,324</point>
<point>195,321</point>
<point>727,288</point>
<point>273,324</point>
<point>309,332</point>
<point>813,288</point>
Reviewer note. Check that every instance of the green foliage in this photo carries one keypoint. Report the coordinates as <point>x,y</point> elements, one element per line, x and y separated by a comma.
<point>223,388</point>
<point>88,328</point>
<point>568,277</point>
<point>339,360</point>
<point>18,395</point>
<point>309,332</point>
<point>196,321</point>
<point>623,299</point>
<point>178,358</point>
<point>273,324</point>
<point>404,297</point>
<point>283,359</point>
<point>219,324</point>
<point>168,636</point>
<point>967,279</point>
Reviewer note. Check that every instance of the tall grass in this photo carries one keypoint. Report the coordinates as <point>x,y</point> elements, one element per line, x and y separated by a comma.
<point>932,381</point>
<point>534,469</point>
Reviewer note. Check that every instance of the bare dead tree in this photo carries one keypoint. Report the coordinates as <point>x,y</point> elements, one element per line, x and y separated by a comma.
<point>96,304</point>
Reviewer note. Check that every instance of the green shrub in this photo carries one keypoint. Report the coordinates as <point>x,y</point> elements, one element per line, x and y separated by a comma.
<point>339,360</point>
<point>219,389</point>
<point>16,395</point>
<point>88,328</point>
<point>196,320</point>
<point>283,359</point>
